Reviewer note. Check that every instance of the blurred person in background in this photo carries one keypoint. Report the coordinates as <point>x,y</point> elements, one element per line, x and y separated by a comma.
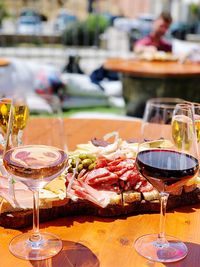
<point>155,40</point>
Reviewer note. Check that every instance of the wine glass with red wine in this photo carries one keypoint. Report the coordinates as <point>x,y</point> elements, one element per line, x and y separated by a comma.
<point>38,161</point>
<point>168,164</point>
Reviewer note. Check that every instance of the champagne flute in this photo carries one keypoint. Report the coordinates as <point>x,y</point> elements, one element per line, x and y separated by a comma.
<point>5,108</point>
<point>168,166</point>
<point>196,107</point>
<point>12,124</point>
<point>5,125</point>
<point>19,119</point>
<point>38,161</point>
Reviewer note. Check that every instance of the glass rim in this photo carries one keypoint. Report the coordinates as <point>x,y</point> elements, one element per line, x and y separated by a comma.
<point>165,102</point>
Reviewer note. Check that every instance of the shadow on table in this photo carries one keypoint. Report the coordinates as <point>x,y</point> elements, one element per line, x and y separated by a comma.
<point>187,209</point>
<point>192,259</point>
<point>72,254</point>
<point>69,220</point>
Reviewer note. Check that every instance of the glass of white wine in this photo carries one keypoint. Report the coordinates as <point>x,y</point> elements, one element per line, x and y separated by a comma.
<point>196,107</point>
<point>19,118</point>
<point>179,122</point>
<point>5,108</point>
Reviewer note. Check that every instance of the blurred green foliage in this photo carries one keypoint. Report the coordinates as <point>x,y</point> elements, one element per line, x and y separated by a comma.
<point>194,8</point>
<point>3,11</point>
<point>85,33</point>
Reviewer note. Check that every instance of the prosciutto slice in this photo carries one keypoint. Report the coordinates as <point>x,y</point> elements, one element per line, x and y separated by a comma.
<point>23,196</point>
<point>82,190</point>
<point>99,176</point>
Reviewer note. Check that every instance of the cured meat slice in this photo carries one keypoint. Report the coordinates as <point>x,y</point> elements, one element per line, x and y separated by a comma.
<point>82,190</point>
<point>108,187</point>
<point>102,162</point>
<point>23,196</point>
<point>4,184</point>
<point>97,173</point>
<point>128,163</point>
<point>100,175</point>
<point>126,175</point>
<point>115,162</point>
<point>111,178</point>
<point>144,186</point>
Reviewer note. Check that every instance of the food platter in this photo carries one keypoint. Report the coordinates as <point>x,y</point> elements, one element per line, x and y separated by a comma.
<point>102,180</point>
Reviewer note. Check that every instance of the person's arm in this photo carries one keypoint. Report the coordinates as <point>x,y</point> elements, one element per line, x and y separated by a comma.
<point>144,45</point>
<point>144,48</point>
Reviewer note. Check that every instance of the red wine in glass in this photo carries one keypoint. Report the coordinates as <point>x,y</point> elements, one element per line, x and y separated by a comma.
<point>165,168</point>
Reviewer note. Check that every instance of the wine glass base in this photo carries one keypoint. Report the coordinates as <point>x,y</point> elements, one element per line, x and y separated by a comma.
<point>48,246</point>
<point>148,247</point>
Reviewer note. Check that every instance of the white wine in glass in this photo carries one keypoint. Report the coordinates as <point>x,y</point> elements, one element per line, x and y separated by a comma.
<point>16,118</point>
<point>196,107</point>
<point>5,108</point>
<point>20,118</point>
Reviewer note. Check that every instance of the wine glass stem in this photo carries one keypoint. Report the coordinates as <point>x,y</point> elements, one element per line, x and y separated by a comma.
<point>36,232</point>
<point>20,135</point>
<point>163,205</point>
<point>15,142</point>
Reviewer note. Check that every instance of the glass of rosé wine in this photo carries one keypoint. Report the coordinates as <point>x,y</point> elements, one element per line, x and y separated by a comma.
<point>168,164</point>
<point>40,159</point>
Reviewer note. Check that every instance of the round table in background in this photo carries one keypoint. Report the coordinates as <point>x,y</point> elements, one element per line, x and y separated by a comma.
<point>147,79</point>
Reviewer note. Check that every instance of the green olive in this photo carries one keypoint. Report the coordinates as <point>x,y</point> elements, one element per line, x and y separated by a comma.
<point>91,166</point>
<point>80,167</point>
<point>92,157</point>
<point>86,162</point>
<point>73,163</point>
<point>83,156</point>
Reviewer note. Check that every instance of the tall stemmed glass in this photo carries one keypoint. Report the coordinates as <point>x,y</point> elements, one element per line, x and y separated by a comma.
<point>12,126</point>
<point>5,111</point>
<point>39,160</point>
<point>167,164</point>
<point>158,112</point>
<point>196,107</point>
<point>5,107</point>
<point>12,135</point>
<point>20,118</point>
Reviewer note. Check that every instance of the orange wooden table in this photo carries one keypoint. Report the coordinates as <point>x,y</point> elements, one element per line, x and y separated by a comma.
<point>107,242</point>
<point>147,79</point>
<point>153,68</point>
